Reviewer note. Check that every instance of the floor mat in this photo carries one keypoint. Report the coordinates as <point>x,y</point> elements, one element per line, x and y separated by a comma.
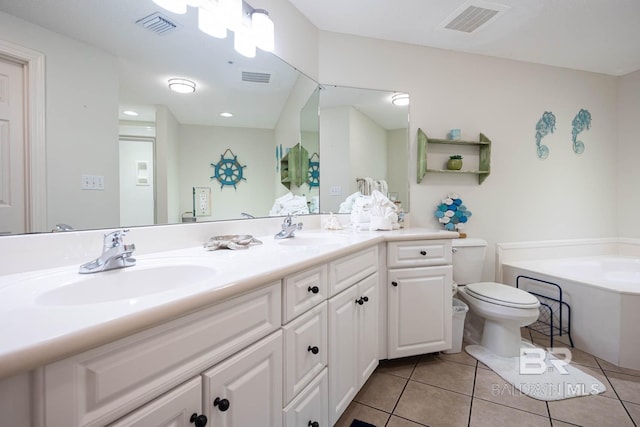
<point>540,375</point>
<point>358,423</point>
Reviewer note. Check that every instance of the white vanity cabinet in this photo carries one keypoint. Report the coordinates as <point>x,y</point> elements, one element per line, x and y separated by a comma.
<point>419,292</point>
<point>353,328</point>
<point>101,385</point>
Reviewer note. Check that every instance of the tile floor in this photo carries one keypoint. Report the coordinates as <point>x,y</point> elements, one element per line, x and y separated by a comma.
<point>457,390</point>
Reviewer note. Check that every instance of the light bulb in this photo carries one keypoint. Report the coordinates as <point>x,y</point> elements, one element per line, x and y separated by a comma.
<point>175,6</point>
<point>243,42</point>
<point>211,21</point>
<point>262,27</point>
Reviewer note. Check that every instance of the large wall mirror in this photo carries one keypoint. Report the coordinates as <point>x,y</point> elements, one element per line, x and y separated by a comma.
<point>105,168</point>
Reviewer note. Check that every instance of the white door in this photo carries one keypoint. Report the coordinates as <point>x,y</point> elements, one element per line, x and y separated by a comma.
<point>343,351</point>
<point>12,173</point>
<point>419,308</point>
<point>367,328</point>
<point>181,407</point>
<point>246,389</point>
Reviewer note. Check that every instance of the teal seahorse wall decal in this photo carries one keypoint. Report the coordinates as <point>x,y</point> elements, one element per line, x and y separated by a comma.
<point>546,125</point>
<point>580,122</point>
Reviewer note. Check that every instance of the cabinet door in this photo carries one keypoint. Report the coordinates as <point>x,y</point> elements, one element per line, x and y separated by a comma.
<point>306,350</point>
<point>246,389</point>
<point>367,328</point>
<point>310,405</point>
<point>173,409</point>
<point>419,310</point>
<point>343,351</point>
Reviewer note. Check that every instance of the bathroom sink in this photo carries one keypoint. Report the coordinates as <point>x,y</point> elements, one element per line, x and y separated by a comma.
<point>124,284</point>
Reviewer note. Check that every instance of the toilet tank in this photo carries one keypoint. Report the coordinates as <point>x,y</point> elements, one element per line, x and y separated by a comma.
<point>468,260</point>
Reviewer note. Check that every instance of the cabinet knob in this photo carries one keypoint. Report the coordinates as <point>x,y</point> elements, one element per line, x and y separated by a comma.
<point>313,424</point>
<point>394,283</point>
<point>198,420</point>
<point>313,290</point>
<point>365,299</point>
<point>360,301</point>
<point>222,404</point>
<point>313,349</point>
<point>423,253</point>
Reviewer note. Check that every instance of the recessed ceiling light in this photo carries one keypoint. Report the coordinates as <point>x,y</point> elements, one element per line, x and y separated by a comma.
<point>400,99</point>
<point>130,113</point>
<point>226,114</point>
<point>182,85</point>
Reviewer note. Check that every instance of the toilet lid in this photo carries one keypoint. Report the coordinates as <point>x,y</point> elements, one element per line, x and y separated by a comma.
<point>498,293</point>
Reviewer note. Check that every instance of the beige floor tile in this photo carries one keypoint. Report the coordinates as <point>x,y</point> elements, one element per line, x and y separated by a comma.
<point>490,414</point>
<point>462,357</point>
<point>363,413</point>
<point>556,423</point>
<point>491,387</point>
<point>381,391</point>
<point>634,411</point>
<point>402,367</point>
<point>448,375</point>
<point>607,366</point>
<point>627,386</point>
<point>401,422</point>
<point>583,358</point>
<point>599,374</point>
<point>433,406</point>
<point>589,411</point>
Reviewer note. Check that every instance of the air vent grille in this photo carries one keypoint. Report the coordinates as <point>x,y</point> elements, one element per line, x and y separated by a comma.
<point>253,77</point>
<point>472,18</point>
<point>157,23</point>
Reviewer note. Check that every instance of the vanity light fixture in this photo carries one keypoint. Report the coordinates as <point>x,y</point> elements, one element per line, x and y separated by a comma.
<point>400,99</point>
<point>226,114</point>
<point>130,113</point>
<point>251,27</point>
<point>182,85</point>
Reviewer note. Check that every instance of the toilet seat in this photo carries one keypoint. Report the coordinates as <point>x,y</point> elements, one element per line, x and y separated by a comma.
<point>497,293</point>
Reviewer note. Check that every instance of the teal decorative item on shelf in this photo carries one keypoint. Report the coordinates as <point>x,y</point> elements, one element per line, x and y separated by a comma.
<point>452,213</point>
<point>546,125</point>
<point>580,122</point>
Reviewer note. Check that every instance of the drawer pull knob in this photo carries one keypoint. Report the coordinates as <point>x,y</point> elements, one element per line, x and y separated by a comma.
<point>313,424</point>
<point>423,253</point>
<point>313,349</point>
<point>366,299</point>
<point>222,404</point>
<point>198,420</point>
<point>313,290</point>
<point>360,301</point>
<point>394,283</point>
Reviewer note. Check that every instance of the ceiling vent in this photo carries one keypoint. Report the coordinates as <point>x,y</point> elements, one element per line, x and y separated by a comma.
<point>472,15</point>
<point>248,76</point>
<point>157,23</point>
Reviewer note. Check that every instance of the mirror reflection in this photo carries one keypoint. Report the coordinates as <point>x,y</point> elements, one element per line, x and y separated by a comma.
<point>178,158</point>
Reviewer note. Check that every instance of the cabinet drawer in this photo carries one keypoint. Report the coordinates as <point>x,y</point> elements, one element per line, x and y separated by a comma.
<point>100,385</point>
<point>311,405</point>
<point>306,352</point>
<point>351,269</point>
<point>418,253</point>
<point>303,291</point>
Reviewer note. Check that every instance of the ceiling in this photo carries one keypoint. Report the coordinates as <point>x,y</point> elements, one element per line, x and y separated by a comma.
<point>601,36</point>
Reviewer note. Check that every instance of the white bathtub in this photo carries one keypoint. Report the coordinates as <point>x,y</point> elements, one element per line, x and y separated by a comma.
<point>604,295</point>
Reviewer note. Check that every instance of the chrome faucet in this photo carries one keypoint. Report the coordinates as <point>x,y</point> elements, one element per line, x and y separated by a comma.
<point>288,228</point>
<point>115,254</point>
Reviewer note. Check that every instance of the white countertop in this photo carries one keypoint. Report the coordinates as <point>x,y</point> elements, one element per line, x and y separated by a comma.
<point>36,332</point>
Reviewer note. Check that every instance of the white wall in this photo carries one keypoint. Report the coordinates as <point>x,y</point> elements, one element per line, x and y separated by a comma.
<point>81,119</point>
<point>397,162</point>
<point>524,198</point>
<point>368,149</point>
<point>200,146</point>
<point>167,167</point>
<point>136,198</point>
<point>628,196</point>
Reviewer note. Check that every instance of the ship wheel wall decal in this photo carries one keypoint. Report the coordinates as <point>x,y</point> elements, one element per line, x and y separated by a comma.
<point>314,170</point>
<point>228,170</point>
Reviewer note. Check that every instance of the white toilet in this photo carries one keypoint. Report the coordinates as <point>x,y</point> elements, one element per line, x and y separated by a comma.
<point>497,311</point>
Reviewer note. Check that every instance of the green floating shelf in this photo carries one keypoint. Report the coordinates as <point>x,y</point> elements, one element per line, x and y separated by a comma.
<point>484,162</point>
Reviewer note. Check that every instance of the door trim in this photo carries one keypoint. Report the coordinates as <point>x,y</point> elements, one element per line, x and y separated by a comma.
<point>35,137</point>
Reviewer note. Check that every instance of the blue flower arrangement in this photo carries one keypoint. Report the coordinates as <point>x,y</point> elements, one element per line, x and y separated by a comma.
<point>451,213</point>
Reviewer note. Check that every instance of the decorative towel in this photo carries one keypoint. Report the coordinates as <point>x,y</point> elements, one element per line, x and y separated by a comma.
<point>289,205</point>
